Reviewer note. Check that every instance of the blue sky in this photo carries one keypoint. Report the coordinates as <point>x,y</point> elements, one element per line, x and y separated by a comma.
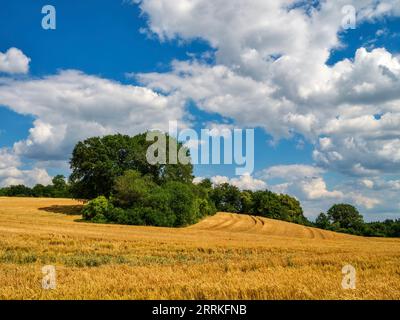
<point>323,101</point>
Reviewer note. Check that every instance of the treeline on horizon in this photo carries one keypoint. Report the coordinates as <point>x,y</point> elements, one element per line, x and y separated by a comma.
<point>58,189</point>
<point>122,187</point>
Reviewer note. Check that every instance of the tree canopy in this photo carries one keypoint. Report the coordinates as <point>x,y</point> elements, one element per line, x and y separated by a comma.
<point>98,161</point>
<point>342,218</point>
<point>345,216</point>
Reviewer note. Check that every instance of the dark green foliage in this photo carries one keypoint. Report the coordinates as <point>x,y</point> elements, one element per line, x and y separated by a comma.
<point>345,216</point>
<point>247,203</point>
<point>274,206</point>
<point>267,204</point>
<point>154,218</point>
<point>97,162</point>
<point>322,221</point>
<point>226,198</point>
<point>134,216</point>
<point>387,228</point>
<point>182,203</point>
<point>205,207</point>
<point>140,193</point>
<point>203,192</point>
<point>159,209</point>
<point>291,209</point>
<point>17,191</point>
<point>131,188</point>
<point>205,184</point>
<point>42,191</point>
<point>60,188</point>
<point>341,218</point>
<point>137,200</point>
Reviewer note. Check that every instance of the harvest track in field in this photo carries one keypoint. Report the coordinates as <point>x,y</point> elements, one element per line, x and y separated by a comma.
<point>240,223</point>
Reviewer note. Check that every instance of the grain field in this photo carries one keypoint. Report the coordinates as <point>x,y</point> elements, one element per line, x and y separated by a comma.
<point>226,256</point>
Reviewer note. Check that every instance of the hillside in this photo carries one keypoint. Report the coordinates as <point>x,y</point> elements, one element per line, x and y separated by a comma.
<point>240,223</point>
<point>226,256</point>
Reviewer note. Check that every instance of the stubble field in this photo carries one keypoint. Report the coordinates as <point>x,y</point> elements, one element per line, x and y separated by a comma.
<point>223,257</point>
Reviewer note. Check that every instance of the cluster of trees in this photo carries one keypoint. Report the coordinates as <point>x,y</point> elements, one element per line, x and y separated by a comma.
<point>346,218</point>
<point>138,200</point>
<point>58,189</point>
<point>388,228</point>
<point>127,189</point>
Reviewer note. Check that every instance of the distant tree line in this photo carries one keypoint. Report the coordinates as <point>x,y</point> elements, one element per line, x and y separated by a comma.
<point>58,189</point>
<point>346,218</point>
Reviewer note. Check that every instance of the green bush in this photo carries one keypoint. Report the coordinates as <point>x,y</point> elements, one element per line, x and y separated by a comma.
<point>114,214</point>
<point>134,216</point>
<point>159,211</point>
<point>159,219</point>
<point>182,203</point>
<point>97,209</point>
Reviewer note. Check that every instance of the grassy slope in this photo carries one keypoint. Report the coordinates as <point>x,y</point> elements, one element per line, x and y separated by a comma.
<point>223,257</point>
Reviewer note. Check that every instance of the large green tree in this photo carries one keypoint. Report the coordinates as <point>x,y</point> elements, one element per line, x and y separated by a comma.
<point>98,161</point>
<point>345,216</point>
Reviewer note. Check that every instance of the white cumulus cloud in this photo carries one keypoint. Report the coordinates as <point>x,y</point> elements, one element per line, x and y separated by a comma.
<point>243,182</point>
<point>270,71</point>
<point>71,106</point>
<point>14,61</point>
<point>11,174</point>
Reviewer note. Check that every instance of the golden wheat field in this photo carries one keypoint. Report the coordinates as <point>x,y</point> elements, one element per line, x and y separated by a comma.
<point>223,257</point>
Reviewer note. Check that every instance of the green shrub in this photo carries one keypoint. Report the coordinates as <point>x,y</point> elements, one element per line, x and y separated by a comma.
<point>158,218</point>
<point>97,209</point>
<point>181,203</point>
<point>114,214</point>
<point>157,210</point>
<point>134,216</point>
